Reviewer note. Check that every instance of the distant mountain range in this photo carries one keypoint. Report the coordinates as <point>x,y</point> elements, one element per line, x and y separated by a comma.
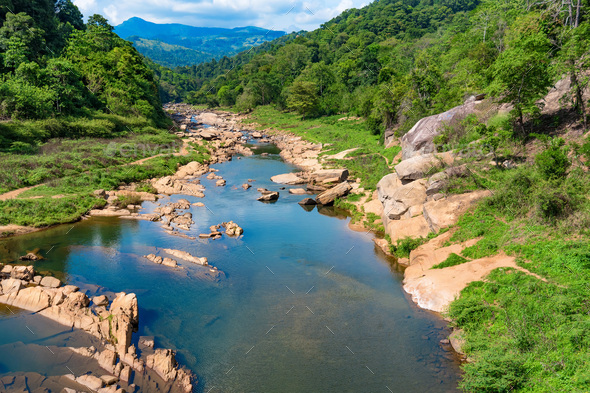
<point>174,45</point>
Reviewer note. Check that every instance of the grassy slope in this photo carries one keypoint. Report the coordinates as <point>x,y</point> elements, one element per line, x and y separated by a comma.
<point>73,168</point>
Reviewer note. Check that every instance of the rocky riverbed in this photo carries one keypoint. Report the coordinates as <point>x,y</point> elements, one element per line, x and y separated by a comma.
<point>114,324</point>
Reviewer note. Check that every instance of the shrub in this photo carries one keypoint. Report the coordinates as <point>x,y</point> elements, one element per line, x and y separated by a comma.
<point>403,247</point>
<point>553,163</point>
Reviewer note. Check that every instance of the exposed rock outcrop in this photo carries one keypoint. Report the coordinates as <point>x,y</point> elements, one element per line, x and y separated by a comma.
<point>419,140</point>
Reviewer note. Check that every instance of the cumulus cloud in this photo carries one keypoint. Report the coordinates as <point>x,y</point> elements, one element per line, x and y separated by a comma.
<point>270,14</point>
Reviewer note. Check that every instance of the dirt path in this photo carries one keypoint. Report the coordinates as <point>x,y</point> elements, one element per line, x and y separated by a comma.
<point>15,193</point>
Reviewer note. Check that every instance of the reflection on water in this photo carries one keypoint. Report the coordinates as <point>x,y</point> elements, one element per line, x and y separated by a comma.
<point>306,304</point>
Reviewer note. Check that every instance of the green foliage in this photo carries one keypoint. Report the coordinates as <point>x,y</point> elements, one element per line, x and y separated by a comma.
<point>553,162</point>
<point>302,97</point>
<point>452,260</point>
<point>46,211</point>
<point>54,67</point>
<point>403,247</point>
<point>521,72</point>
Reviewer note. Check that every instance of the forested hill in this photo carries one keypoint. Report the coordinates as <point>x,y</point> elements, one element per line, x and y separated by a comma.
<point>54,66</point>
<point>177,45</point>
<point>394,61</point>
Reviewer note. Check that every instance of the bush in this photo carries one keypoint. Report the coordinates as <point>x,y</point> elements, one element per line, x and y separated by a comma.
<point>553,163</point>
<point>403,247</point>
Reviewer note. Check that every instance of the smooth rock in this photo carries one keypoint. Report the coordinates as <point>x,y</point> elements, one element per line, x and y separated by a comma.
<point>287,178</point>
<point>329,175</point>
<point>446,212</point>
<point>50,282</point>
<point>90,381</point>
<point>420,139</point>
<point>101,300</point>
<point>297,191</point>
<point>307,202</point>
<point>418,167</point>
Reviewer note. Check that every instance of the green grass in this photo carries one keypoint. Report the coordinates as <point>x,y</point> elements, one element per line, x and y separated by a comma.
<point>403,247</point>
<point>73,168</point>
<point>368,163</point>
<point>47,211</point>
<point>524,333</point>
<point>452,260</point>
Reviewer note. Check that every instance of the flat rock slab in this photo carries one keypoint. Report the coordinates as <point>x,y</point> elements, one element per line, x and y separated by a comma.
<point>329,175</point>
<point>297,191</point>
<point>287,178</point>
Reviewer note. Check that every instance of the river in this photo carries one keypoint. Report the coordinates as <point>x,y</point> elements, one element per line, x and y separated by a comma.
<point>306,304</point>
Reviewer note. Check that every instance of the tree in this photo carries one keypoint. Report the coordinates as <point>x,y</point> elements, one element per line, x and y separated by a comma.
<point>20,40</point>
<point>521,72</point>
<point>68,12</point>
<point>98,20</point>
<point>303,98</point>
<point>575,61</point>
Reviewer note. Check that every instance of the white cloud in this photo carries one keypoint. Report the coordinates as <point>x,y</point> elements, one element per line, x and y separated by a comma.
<point>276,14</point>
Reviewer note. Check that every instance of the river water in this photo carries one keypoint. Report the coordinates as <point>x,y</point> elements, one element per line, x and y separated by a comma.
<point>305,304</point>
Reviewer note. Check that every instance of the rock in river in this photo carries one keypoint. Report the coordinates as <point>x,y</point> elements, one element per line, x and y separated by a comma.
<point>271,196</point>
<point>287,178</point>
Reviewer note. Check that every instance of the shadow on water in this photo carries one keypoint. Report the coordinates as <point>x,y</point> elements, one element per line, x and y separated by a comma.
<point>306,304</point>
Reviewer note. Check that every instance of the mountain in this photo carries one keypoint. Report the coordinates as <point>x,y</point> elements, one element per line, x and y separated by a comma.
<point>178,45</point>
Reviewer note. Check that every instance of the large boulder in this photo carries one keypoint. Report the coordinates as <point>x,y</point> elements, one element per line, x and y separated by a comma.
<point>163,362</point>
<point>287,178</point>
<point>414,227</point>
<point>439,181</point>
<point>23,272</point>
<point>126,303</point>
<point>420,139</point>
<point>387,185</point>
<point>397,202</point>
<point>334,175</point>
<point>446,212</point>
<point>329,196</point>
<point>418,167</point>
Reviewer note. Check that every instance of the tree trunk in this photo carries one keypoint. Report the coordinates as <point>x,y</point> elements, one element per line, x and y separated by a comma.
<point>579,101</point>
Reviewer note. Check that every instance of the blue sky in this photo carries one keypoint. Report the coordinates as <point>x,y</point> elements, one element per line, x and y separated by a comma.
<point>269,14</point>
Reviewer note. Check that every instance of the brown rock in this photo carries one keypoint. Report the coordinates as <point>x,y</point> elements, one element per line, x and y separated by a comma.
<point>327,197</point>
<point>307,202</point>
<point>287,178</point>
<point>163,362</point>
<point>271,196</point>
<point>90,381</point>
<point>50,282</point>
<point>417,167</point>
<point>101,300</point>
<point>22,273</point>
<point>446,212</point>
